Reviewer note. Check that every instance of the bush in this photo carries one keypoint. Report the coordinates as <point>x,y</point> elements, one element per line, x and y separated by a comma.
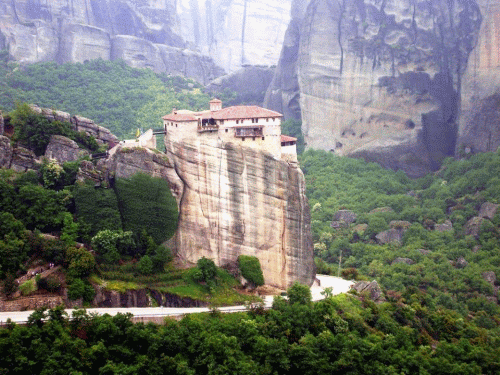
<point>27,287</point>
<point>81,289</point>
<point>299,293</point>
<point>50,284</point>
<point>9,284</point>
<point>250,269</point>
<point>145,265</point>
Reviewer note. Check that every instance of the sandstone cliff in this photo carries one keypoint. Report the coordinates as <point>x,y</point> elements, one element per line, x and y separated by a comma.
<point>180,37</point>
<point>140,32</point>
<point>479,128</point>
<point>235,200</point>
<point>383,80</point>
<point>232,200</point>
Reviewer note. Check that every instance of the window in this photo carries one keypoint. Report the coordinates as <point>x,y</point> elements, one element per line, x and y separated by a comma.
<point>263,138</point>
<point>237,121</point>
<point>227,130</point>
<point>253,138</point>
<point>243,138</point>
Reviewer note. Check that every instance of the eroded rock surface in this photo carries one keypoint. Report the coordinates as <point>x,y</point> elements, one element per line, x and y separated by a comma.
<point>63,149</point>
<point>383,80</point>
<point>236,200</point>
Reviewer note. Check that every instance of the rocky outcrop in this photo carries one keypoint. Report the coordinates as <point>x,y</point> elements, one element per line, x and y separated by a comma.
<point>473,226</point>
<point>237,200</point>
<point>23,160</point>
<point>447,226</point>
<point>5,152</point>
<point>347,216</point>
<point>479,129</point>
<point>370,289</point>
<point>488,210</point>
<point>63,149</point>
<point>249,83</point>
<point>392,235</point>
<point>79,124</point>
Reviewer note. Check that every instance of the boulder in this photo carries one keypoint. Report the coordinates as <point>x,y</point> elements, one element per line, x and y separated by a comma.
<point>346,216</point>
<point>391,235</point>
<point>63,149</point>
<point>490,277</point>
<point>371,289</point>
<point>461,263</point>
<point>488,210</point>
<point>424,251</point>
<point>23,160</point>
<point>447,226</point>
<point>473,226</point>
<point>402,260</point>
<point>339,224</point>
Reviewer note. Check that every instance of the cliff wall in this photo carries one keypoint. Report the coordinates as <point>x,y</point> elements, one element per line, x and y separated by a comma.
<point>232,200</point>
<point>180,37</point>
<point>479,127</point>
<point>141,32</point>
<point>236,200</point>
<point>393,81</point>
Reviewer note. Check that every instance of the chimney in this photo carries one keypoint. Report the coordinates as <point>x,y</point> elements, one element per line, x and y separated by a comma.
<point>215,105</point>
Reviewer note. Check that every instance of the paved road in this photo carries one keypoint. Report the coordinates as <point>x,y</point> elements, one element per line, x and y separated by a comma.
<point>338,286</point>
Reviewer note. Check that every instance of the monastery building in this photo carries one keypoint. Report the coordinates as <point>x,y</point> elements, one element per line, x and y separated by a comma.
<point>250,126</point>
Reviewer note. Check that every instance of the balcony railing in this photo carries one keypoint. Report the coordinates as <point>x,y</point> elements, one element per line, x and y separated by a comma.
<point>248,132</point>
<point>207,128</point>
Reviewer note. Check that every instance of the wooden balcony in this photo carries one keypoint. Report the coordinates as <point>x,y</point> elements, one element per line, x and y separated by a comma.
<point>248,132</point>
<point>207,128</point>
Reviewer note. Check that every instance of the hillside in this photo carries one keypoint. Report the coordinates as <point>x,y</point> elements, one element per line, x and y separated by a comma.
<point>436,238</point>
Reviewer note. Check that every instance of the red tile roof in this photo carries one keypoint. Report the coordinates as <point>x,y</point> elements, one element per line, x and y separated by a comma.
<point>286,138</point>
<point>229,113</point>
<point>179,117</point>
<point>244,111</point>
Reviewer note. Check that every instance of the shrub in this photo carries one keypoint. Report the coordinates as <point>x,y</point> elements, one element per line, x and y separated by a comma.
<point>145,265</point>
<point>49,283</point>
<point>250,269</point>
<point>9,284</point>
<point>299,293</point>
<point>81,289</point>
<point>27,287</point>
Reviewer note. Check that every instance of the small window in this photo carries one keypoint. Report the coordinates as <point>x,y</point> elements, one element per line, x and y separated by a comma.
<point>263,138</point>
<point>237,121</point>
<point>243,138</point>
<point>253,138</point>
<point>175,125</point>
<point>267,119</point>
<point>227,130</point>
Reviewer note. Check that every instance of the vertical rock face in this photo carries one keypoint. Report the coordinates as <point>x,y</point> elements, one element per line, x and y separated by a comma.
<point>235,32</point>
<point>283,94</point>
<point>480,116</point>
<point>80,30</point>
<point>235,201</point>
<point>384,78</point>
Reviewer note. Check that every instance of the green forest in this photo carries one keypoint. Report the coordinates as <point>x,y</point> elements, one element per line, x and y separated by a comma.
<point>432,244</point>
